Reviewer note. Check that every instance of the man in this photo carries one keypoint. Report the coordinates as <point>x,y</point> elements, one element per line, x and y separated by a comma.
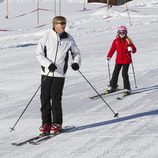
<point>53,53</point>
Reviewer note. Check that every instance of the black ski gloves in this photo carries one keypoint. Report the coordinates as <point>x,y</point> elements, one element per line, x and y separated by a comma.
<point>75,66</point>
<point>52,67</point>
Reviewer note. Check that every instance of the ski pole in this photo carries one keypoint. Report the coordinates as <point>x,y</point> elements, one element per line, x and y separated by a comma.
<point>134,75</point>
<point>115,114</point>
<point>13,128</point>
<point>109,71</point>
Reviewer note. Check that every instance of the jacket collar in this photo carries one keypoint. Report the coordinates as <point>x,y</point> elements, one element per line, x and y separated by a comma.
<point>62,35</point>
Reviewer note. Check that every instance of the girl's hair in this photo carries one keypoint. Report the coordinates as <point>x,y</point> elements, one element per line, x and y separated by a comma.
<point>129,40</point>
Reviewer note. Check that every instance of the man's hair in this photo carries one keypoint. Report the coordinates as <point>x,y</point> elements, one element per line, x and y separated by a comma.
<point>58,19</point>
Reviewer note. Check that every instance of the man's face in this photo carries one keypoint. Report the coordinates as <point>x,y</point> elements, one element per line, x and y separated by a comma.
<point>60,27</point>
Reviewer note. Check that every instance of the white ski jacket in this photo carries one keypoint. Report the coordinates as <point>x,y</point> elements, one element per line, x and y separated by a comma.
<point>55,48</point>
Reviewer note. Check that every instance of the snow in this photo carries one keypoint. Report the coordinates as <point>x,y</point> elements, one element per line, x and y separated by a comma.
<point>97,134</point>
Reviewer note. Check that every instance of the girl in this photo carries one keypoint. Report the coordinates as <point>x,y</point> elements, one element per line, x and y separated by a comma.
<point>124,46</point>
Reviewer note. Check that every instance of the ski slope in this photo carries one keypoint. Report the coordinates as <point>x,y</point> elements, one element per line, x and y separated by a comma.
<point>97,134</point>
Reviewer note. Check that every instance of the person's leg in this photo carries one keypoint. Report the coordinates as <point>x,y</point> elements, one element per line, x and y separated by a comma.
<point>126,77</point>
<point>56,95</point>
<point>45,100</point>
<point>114,80</point>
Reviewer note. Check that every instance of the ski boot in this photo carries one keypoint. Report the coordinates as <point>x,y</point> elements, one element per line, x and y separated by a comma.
<point>45,129</point>
<point>110,90</point>
<point>55,128</point>
<point>126,92</point>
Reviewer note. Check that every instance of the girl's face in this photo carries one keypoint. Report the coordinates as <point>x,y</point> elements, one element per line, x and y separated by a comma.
<point>122,34</point>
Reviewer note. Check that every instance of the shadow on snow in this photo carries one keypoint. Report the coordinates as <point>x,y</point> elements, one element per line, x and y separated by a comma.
<point>140,90</point>
<point>126,118</point>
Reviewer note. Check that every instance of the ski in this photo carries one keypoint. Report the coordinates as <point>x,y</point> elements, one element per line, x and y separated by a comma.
<point>41,138</point>
<point>26,141</point>
<point>94,97</point>
<point>123,96</point>
<point>47,137</point>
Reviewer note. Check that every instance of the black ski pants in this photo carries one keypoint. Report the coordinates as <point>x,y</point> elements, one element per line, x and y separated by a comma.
<point>114,80</point>
<point>51,99</point>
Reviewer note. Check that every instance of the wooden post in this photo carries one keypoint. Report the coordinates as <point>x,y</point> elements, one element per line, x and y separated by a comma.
<point>38,12</point>
<point>84,4</point>
<point>60,7</point>
<point>128,14</point>
<point>55,13</point>
<point>7,9</point>
<point>107,8</point>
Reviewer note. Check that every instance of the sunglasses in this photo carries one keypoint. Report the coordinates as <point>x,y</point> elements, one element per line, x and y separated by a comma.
<point>61,23</point>
<point>122,33</point>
